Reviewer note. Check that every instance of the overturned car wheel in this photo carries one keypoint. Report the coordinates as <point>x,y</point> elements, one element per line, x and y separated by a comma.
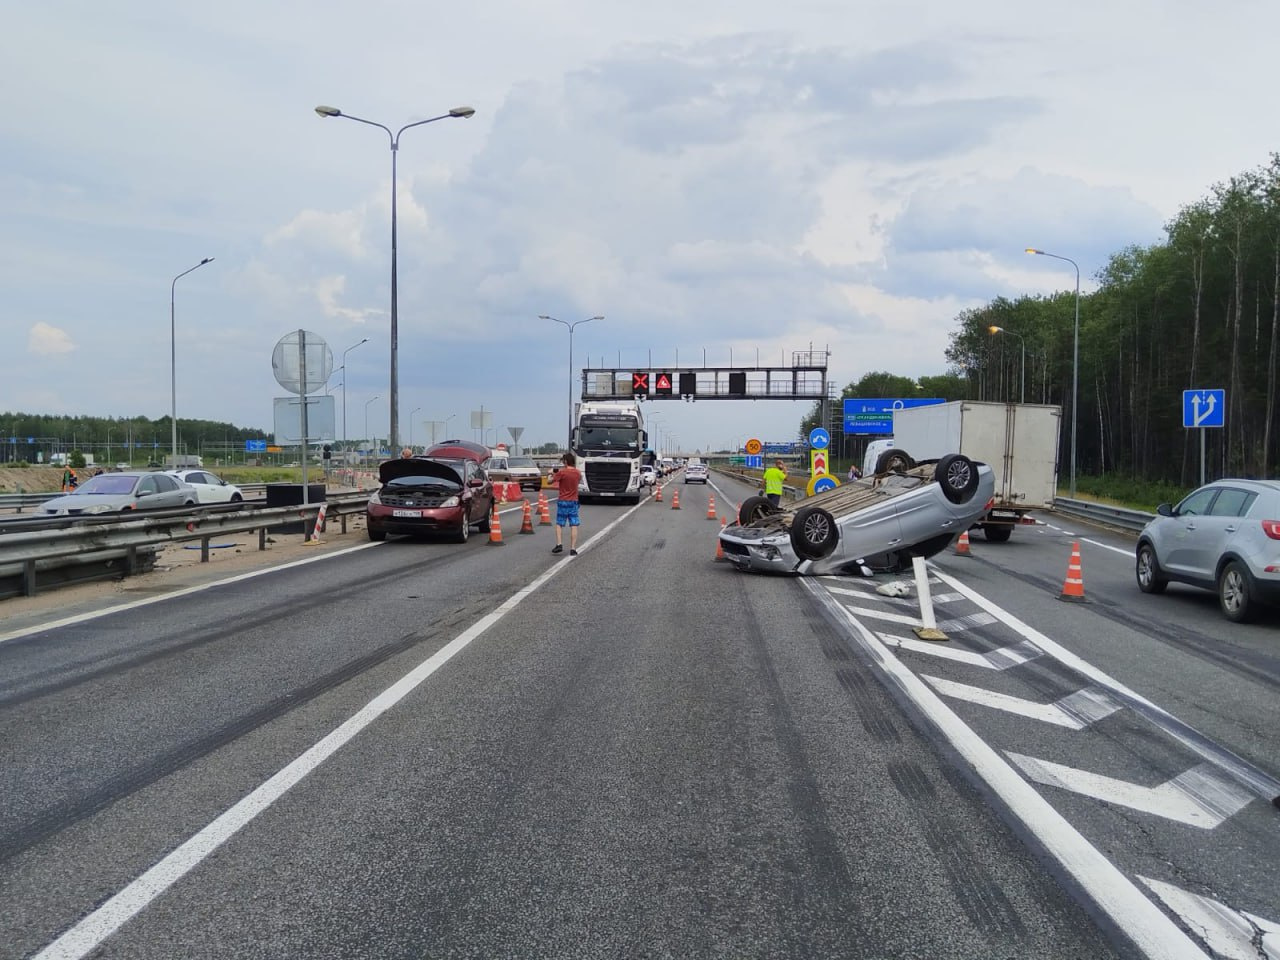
<point>958,476</point>
<point>813,533</point>
<point>894,461</point>
<point>753,508</point>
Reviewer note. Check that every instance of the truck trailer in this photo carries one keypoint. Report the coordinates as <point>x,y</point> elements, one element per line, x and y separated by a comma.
<point>1018,440</point>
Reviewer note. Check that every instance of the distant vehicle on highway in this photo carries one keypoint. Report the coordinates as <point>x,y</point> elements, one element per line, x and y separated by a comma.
<point>1223,537</point>
<point>121,492</point>
<point>648,475</point>
<point>521,470</point>
<point>695,473</point>
<point>209,487</point>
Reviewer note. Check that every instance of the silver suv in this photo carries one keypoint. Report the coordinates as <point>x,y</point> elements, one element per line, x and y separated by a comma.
<point>1224,537</point>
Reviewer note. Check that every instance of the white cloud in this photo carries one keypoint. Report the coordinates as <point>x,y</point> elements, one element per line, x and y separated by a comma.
<point>45,340</point>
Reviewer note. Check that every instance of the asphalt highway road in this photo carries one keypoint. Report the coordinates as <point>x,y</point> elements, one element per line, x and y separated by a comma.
<point>420,749</point>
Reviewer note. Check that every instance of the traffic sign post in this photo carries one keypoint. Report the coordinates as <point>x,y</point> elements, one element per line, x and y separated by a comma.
<point>819,439</point>
<point>1202,409</point>
<point>818,462</point>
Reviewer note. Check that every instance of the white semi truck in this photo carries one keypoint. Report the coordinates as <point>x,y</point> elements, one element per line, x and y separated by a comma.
<point>609,441</point>
<point>1018,440</point>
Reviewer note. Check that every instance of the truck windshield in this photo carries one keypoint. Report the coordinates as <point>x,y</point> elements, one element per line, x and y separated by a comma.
<point>610,437</point>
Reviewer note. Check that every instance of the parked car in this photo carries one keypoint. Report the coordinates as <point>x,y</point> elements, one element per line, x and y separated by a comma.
<point>421,496</point>
<point>209,487</point>
<point>1224,537</point>
<point>521,470</point>
<point>648,475</point>
<point>876,523</point>
<point>128,490</point>
<point>695,473</point>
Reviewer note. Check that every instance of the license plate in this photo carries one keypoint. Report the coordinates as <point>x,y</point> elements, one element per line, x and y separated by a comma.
<point>608,494</point>
<point>406,513</point>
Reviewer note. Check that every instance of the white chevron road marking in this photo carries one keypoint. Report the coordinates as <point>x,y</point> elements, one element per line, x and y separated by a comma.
<point>1229,933</point>
<point>1075,712</point>
<point>1001,659</point>
<point>1201,797</point>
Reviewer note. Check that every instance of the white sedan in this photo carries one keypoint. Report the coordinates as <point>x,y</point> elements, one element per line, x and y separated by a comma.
<point>209,487</point>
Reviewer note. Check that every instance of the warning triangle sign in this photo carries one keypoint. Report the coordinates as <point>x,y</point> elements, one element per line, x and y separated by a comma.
<point>664,382</point>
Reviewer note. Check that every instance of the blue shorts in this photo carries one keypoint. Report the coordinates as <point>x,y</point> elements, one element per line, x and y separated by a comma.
<point>567,512</point>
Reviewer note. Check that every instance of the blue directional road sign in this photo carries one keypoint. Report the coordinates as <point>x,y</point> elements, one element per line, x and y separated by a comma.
<point>255,446</point>
<point>756,461</point>
<point>1204,408</point>
<point>823,484</point>
<point>819,439</point>
<point>875,415</point>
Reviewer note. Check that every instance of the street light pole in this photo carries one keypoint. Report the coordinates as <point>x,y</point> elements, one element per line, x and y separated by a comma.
<point>395,149</point>
<point>415,410</point>
<point>1075,362</point>
<point>543,316</point>
<point>366,417</point>
<point>173,357</point>
<point>344,389</point>
<point>1023,340</point>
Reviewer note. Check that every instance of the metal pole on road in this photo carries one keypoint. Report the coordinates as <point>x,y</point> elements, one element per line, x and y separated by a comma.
<point>173,357</point>
<point>1075,362</point>
<point>543,316</point>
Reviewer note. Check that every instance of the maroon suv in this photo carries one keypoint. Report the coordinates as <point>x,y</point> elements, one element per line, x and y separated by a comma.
<point>431,494</point>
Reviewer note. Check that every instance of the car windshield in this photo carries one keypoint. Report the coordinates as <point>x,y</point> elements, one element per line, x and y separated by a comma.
<point>106,483</point>
<point>422,481</point>
<point>521,462</point>
<point>608,437</point>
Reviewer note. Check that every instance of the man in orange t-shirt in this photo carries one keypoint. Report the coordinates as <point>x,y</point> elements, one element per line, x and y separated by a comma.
<point>567,479</point>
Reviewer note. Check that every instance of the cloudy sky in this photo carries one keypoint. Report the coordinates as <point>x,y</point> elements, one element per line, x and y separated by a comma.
<point>736,180</point>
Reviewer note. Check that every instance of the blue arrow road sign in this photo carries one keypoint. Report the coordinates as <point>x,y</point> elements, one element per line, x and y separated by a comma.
<point>1204,408</point>
<point>819,439</point>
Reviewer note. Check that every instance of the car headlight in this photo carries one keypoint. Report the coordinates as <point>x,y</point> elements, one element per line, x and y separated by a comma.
<point>450,502</point>
<point>375,499</point>
<point>99,508</point>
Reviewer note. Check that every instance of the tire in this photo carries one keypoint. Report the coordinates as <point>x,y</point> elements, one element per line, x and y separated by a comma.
<point>754,508</point>
<point>463,533</point>
<point>1147,570</point>
<point>236,498</point>
<point>813,533</point>
<point>1234,591</point>
<point>958,476</point>
<point>484,526</point>
<point>997,532</point>
<point>377,536</point>
<point>894,461</point>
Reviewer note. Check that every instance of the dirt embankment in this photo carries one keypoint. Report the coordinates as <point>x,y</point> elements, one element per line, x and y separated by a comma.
<point>36,479</point>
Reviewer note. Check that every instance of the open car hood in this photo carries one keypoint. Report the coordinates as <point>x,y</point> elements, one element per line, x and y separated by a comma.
<point>390,470</point>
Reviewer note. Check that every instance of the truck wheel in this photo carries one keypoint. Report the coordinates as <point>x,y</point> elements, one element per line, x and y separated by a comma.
<point>813,533</point>
<point>997,532</point>
<point>753,508</point>
<point>894,461</point>
<point>958,476</point>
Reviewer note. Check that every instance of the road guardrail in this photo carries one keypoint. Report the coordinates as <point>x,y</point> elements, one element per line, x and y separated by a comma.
<point>1121,517</point>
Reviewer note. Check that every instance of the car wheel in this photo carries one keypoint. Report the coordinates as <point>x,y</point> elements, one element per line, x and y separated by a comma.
<point>813,533</point>
<point>894,461</point>
<point>483,526</point>
<point>236,498</point>
<point>188,503</point>
<point>958,476</point>
<point>1148,570</point>
<point>1233,593</point>
<point>753,508</point>
<point>997,532</point>
<point>377,536</point>
<point>464,530</point>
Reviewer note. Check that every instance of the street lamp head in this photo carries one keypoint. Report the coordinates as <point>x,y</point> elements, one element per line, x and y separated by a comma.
<point>601,317</point>
<point>543,316</point>
<point>328,111</point>
<point>462,112</point>
<point>1034,250</point>
<point>206,260</point>
<point>996,329</point>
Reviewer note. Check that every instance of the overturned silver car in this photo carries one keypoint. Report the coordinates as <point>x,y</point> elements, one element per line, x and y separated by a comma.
<point>874,524</point>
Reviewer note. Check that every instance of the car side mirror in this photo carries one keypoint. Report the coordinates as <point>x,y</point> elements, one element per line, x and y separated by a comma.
<point>1164,510</point>
<point>476,482</point>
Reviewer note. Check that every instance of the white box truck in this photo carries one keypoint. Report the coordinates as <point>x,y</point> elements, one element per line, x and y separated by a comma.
<point>1018,440</point>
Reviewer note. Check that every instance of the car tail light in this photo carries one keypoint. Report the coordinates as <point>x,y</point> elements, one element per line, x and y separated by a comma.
<point>1271,528</point>
<point>990,503</point>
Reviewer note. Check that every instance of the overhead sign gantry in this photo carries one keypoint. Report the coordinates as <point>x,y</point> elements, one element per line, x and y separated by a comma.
<point>805,379</point>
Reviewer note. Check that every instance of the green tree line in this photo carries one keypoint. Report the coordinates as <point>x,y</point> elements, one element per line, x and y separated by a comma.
<point>1198,310</point>
<point>58,434</point>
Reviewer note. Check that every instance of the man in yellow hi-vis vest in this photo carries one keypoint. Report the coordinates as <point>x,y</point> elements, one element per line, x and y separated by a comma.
<point>773,480</point>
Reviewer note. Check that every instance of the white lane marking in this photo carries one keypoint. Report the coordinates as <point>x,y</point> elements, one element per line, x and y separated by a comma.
<point>1095,543</point>
<point>967,622</point>
<point>1145,924</point>
<point>1229,933</point>
<point>92,930</point>
<point>873,614</point>
<point>1201,797</point>
<point>1062,713</point>
<point>1259,781</point>
<point>1001,659</point>
<point>182,592</point>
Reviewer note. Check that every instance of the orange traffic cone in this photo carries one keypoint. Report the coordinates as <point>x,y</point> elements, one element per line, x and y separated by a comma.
<point>675,499</point>
<point>1073,587</point>
<point>962,545</point>
<point>544,510</point>
<point>711,507</point>
<point>526,522</point>
<point>495,528</point>
<point>719,549</point>
<point>658,495</point>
